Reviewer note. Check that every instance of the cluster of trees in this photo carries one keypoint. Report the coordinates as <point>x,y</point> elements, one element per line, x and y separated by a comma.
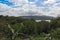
<point>13,27</point>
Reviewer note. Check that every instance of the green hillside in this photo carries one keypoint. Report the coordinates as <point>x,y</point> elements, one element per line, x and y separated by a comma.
<point>16,28</point>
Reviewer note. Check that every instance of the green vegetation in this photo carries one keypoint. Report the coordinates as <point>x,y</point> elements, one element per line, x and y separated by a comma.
<point>16,28</point>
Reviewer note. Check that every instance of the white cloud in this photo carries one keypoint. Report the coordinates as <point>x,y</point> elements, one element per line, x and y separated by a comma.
<point>55,9</point>
<point>23,11</point>
<point>50,1</point>
<point>3,7</point>
<point>18,2</point>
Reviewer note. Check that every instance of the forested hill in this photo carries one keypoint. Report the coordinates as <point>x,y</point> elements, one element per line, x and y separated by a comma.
<point>38,17</point>
<point>18,28</point>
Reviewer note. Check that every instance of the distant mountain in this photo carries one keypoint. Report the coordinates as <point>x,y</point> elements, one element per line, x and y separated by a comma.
<point>38,17</point>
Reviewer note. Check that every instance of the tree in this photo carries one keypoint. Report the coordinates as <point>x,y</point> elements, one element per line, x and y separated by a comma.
<point>16,30</point>
<point>55,23</point>
<point>55,33</point>
<point>43,26</point>
<point>30,27</point>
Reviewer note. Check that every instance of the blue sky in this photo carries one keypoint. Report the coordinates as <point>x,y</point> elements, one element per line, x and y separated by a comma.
<point>38,2</point>
<point>22,7</point>
<point>6,2</point>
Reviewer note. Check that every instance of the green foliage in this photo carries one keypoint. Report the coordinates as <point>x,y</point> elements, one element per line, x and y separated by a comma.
<point>30,27</point>
<point>43,26</point>
<point>23,28</point>
<point>55,23</point>
<point>55,33</point>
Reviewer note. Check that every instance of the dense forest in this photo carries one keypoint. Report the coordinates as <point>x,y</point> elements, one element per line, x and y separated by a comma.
<point>16,28</point>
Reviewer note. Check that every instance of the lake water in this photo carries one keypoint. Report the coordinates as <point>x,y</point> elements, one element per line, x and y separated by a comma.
<point>41,20</point>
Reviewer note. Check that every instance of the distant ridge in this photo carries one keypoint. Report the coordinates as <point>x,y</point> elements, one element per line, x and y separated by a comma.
<point>38,17</point>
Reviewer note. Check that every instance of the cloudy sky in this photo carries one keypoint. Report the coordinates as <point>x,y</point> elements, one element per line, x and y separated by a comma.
<point>30,7</point>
